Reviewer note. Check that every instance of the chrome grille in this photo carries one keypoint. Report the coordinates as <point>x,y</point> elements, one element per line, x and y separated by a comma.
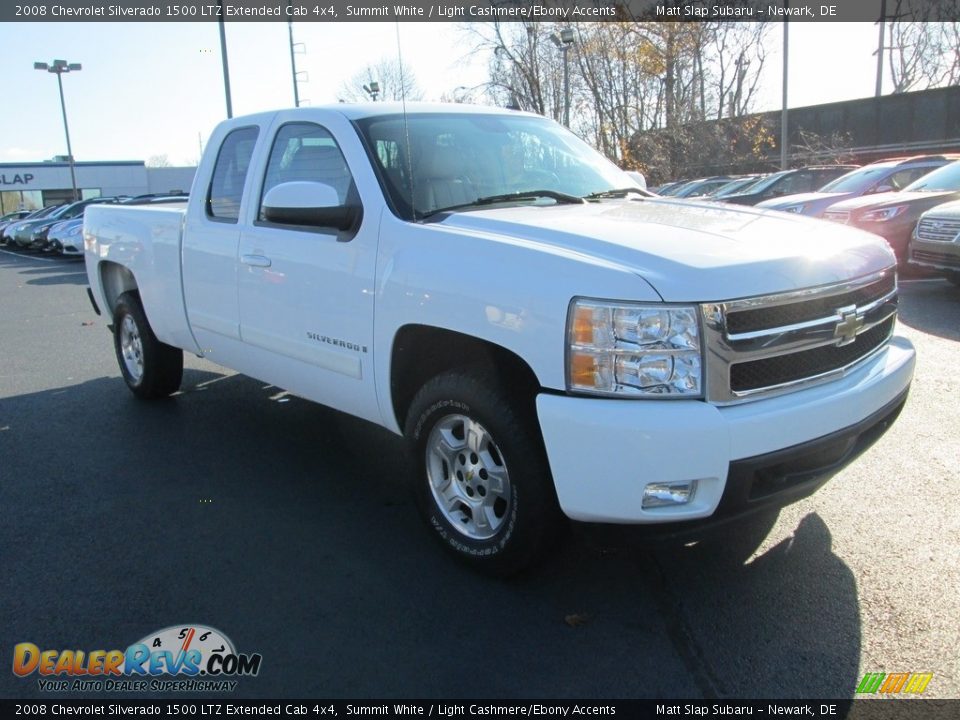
<point>758,347</point>
<point>840,216</point>
<point>939,229</point>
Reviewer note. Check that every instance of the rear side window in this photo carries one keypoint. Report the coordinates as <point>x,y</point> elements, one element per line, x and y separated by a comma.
<point>230,174</point>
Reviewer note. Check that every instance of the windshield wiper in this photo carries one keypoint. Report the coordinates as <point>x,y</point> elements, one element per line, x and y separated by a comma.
<point>615,193</point>
<point>562,198</point>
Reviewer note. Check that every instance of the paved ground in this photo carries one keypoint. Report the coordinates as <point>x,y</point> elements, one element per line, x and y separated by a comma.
<point>311,553</point>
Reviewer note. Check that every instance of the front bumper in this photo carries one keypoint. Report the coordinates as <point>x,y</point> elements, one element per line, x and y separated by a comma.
<point>937,255</point>
<point>603,452</point>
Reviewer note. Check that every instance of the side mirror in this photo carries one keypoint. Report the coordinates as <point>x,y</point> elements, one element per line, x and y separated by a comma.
<point>308,203</point>
<point>638,178</point>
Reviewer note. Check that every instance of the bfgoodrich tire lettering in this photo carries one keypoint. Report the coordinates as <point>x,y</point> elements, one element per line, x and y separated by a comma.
<point>481,477</point>
<point>150,368</point>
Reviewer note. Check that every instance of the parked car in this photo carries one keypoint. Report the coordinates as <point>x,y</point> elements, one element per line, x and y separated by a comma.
<point>6,235</point>
<point>886,176</point>
<point>935,244</point>
<point>13,217</point>
<point>788,182</point>
<point>606,357</point>
<point>735,186</point>
<point>66,237</point>
<point>34,236</point>
<point>702,186</point>
<point>670,188</point>
<point>894,215</point>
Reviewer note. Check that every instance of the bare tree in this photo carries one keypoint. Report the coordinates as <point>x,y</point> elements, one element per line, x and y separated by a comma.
<point>158,161</point>
<point>396,82</point>
<point>923,52</point>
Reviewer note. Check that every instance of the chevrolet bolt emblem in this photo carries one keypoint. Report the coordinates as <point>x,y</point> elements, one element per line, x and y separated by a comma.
<point>470,476</point>
<point>848,325</point>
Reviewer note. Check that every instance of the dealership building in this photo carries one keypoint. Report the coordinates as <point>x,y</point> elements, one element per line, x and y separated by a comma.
<point>34,185</point>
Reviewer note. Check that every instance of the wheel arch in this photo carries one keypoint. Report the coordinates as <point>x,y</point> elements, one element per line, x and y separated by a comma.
<point>115,279</point>
<point>421,352</point>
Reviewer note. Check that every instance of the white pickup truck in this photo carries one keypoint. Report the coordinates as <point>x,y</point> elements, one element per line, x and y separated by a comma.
<point>553,341</point>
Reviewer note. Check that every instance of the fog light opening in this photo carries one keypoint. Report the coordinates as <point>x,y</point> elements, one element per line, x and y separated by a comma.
<point>667,494</point>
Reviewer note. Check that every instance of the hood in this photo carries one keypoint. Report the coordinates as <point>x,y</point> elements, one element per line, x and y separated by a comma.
<point>947,210</point>
<point>800,199</point>
<point>690,250</point>
<point>881,200</point>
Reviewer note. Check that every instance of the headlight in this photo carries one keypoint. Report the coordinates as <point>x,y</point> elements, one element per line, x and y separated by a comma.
<point>883,215</point>
<point>633,350</point>
<point>794,209</point>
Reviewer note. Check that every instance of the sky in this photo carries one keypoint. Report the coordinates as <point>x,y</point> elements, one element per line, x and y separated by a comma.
<point>151,89</point>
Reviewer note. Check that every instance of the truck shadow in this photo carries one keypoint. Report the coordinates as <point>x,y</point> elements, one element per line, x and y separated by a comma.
<point>289,527</point>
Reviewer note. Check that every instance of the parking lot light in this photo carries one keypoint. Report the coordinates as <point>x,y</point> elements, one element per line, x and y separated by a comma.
<point>58,68</point>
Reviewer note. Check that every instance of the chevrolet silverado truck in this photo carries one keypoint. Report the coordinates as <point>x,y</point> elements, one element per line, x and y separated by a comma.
<point>552,341</point>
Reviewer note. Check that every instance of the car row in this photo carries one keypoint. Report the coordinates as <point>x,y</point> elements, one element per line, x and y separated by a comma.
<point>59,228</point>
<point>888,198</point>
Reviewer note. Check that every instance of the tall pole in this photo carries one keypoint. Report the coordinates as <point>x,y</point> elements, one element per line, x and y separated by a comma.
<point>883,15</point>
<point>58,67</point>
<point>784,130</point>
<point>66,130</point>
<point>566,87</point>
<point>226,64</point>
<point>293,64</point>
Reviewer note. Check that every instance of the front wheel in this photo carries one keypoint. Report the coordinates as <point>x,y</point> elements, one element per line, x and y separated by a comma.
<point>150,368</point>
<point>481,476</point>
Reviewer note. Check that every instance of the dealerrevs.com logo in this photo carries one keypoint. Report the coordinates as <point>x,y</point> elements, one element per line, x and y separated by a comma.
<point>178,658</point>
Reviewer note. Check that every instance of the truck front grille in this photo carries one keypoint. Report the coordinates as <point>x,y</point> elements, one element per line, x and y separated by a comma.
<point>758,347</point>
<point>781,369</point>
<point>764,318</point>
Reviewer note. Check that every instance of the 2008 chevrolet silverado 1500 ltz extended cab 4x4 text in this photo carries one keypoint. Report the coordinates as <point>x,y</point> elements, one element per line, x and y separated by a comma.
<point>551,340</point>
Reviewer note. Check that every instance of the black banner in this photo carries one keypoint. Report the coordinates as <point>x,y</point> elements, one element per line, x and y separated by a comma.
<point>478,10</point>
<point>890,709</point>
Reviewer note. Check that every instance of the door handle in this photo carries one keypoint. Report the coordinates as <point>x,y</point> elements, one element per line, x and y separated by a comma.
<point>255,260</point>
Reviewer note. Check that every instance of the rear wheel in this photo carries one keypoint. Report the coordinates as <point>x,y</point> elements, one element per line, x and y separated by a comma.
<point>481,478</point>
<point>150,368</point>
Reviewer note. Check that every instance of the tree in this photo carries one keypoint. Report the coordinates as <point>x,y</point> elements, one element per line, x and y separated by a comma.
<point>921,52</point>
<point>396,81</point>
<point>158,161</point>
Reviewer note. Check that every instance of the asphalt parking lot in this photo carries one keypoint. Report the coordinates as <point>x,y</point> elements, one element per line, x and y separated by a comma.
<point>288,527</point>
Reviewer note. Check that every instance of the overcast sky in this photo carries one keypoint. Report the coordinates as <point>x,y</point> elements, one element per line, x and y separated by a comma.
<point>156,88</point>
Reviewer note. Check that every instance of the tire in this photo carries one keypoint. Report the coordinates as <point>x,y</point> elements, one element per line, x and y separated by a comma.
<point>481,478</point>
<point>150,368</point>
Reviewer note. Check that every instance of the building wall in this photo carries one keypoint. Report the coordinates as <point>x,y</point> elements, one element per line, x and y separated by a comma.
<point>170,179</point>
<point>34,185</point>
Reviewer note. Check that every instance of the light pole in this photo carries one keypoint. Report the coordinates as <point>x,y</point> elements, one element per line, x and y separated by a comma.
<point>58,68</point>
<point>373,89</point>
<point>564,41</point>
<point>784,129</point>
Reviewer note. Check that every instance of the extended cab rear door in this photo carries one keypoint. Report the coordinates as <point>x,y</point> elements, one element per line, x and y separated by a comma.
<point>306,293</point>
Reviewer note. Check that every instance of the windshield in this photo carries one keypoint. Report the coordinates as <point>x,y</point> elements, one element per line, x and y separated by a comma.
<point>856,180</point>
<point>459,158</point>
<point>737,186</point>
<point>944,179</point>
<point>763,183</point>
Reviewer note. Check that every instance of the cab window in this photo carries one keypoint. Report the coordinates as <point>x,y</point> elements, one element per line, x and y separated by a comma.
<point>230,174</point>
